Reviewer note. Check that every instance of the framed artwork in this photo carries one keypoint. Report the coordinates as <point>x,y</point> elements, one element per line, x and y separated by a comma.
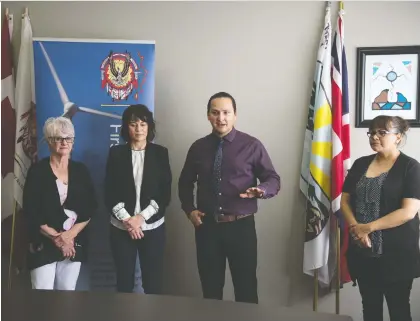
<point>388,83</point>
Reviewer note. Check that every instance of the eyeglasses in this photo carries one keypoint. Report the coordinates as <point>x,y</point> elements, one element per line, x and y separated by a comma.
<point>380,133</point>
<point>61,139</point>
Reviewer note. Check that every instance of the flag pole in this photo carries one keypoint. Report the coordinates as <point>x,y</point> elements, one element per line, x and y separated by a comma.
<point>12,241</point>
<point>316,272</point>
<point>338,285</point>
<point>338,244</point>
<point>9,283</point>
<point>315,299</point>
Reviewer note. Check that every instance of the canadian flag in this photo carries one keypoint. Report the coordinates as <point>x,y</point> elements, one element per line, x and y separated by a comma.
<point>8,119</point>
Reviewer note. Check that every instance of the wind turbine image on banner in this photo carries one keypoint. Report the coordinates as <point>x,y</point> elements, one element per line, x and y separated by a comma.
<point>70,108</point>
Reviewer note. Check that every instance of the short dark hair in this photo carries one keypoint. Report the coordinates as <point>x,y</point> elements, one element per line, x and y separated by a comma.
<point>134,113</point>
<point>221,94</point>
<point>389,122</point>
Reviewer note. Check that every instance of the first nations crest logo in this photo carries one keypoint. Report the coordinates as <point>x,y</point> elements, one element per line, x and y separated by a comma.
<point>120,75</point>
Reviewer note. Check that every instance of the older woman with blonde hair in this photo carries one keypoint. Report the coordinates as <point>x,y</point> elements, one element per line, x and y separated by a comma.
<point>58,203</point>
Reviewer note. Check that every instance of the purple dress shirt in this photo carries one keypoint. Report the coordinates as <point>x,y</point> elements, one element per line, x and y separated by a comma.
<point>244,161</point>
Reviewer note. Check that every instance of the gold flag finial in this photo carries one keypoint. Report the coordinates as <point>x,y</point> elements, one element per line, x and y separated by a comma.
<point>341,5</point>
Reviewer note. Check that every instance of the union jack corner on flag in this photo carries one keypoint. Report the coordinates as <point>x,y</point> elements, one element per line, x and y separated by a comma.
<point>341,161</point>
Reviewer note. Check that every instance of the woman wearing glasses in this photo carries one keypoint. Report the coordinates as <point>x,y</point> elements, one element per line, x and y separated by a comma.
<point>58,203</point>
<point>380,203</point>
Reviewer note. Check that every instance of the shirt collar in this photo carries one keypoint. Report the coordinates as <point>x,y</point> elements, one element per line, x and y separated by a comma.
<point>229,137</point>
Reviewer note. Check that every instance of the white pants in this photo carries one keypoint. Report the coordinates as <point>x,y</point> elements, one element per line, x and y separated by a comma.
<point>61,275</point>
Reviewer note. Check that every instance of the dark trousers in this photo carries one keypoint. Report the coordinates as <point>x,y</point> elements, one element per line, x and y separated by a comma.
<point>235,241</point>
<point>373,288</point>
<point>151,252</point>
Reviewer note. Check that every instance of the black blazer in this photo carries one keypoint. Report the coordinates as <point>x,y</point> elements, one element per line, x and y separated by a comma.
<point>156,182</point>
<point>401,254</point>
<point>41,205</point>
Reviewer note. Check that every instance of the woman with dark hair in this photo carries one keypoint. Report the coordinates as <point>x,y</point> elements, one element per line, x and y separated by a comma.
<point>137,191</point>
<point>380,203</point>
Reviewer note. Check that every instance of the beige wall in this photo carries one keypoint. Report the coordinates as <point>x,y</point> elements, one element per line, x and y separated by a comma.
<point>263,53</point>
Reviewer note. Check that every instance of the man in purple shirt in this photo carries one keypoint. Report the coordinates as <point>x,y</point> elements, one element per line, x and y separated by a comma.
<point>226,165</point>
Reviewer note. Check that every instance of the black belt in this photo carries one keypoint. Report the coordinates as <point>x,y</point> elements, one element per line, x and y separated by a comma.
<point>222,218</point>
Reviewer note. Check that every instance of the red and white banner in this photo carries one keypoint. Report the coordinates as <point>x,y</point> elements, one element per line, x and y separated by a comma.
<point>8,119</point>
<point>341,162</point>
